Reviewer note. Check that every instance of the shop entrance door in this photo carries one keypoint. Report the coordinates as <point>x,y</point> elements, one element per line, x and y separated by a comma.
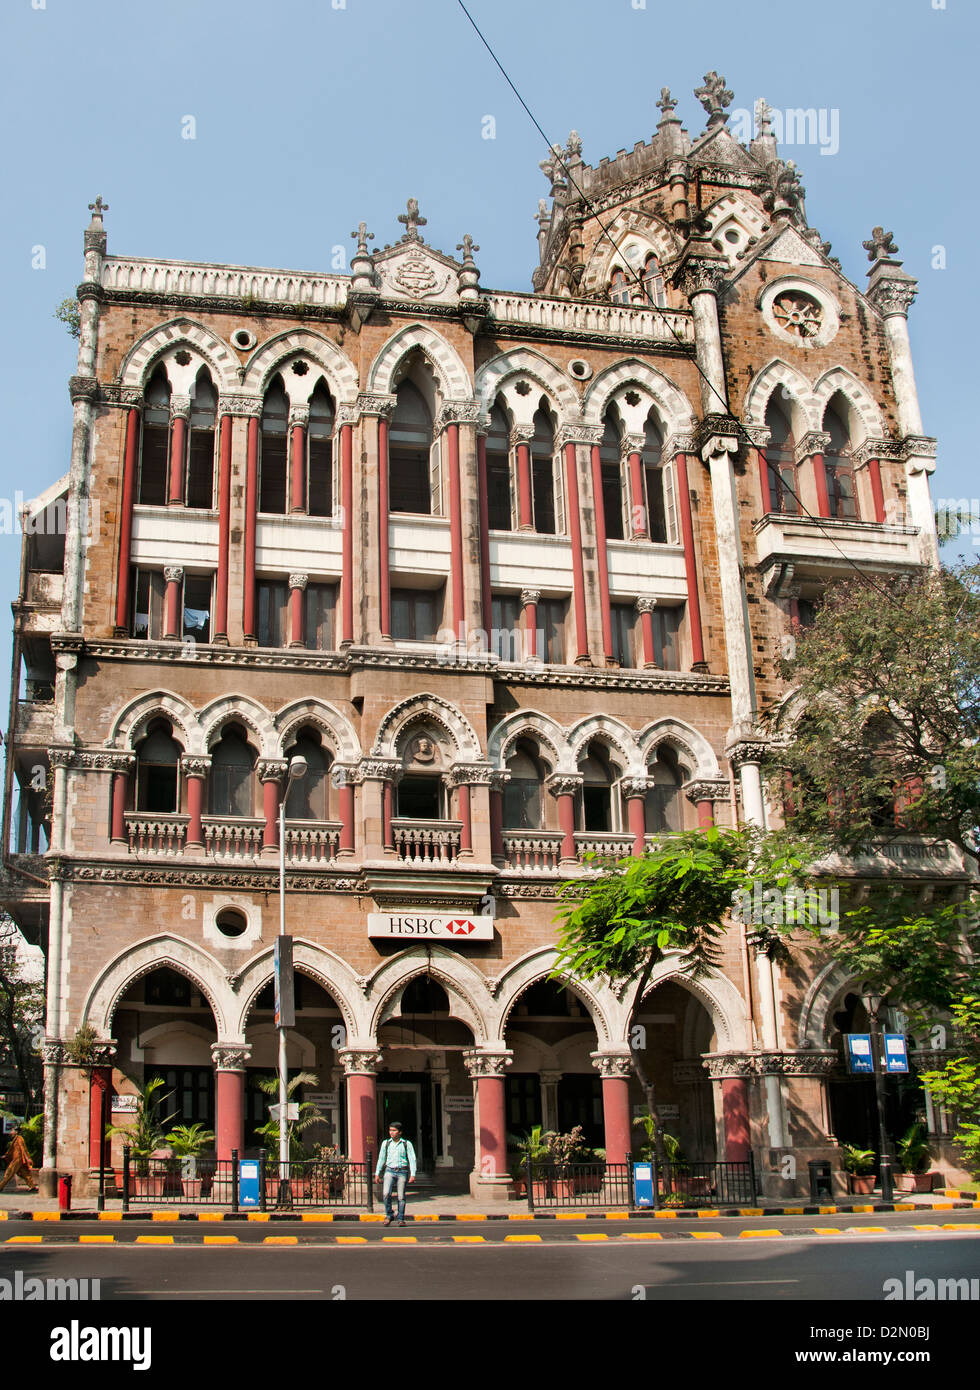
<point>402,1101</point>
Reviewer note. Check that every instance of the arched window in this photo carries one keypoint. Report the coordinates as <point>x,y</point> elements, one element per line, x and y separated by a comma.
<point>232,765</point>
<point>199,491</point>
<point>309,796</point>
<point>157,769</point>
<point>655,477</point>
<point>837,463</point>
<point>653,282</point>
<point>665,800</point>
<point>155,443</point>
<point>319,447</point>
<point>410,484</point>
<point>274,470</point>
<point>421,797</point>
<point>596,799</point>
<point>620,287</point>
<point>500,502</point>
<point>543,473</point>
<point>523,802</point>
<point>610,463</point>
<point>781,462</point>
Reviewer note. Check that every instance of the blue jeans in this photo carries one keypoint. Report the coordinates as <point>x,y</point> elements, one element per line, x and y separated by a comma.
<point>393,1176</point>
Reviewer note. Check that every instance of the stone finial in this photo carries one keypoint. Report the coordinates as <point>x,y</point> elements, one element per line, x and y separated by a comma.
<point>467,248</point>
<point>785,196</point>
<point>97,209</point>
<point>553,167</point>
<point>714,96</point>
<point>362,236</point>
<point>763,125</point>
<point>666,104</point>
<point>412,220</point>
<point>881,246</point>
<point>573,149</point>
<point>468,274</point>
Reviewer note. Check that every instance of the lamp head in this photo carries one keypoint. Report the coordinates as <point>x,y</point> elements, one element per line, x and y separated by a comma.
<point>871,999</point>
<point>297,768</point>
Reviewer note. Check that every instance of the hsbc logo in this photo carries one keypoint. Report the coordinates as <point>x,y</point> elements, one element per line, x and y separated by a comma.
<point>429,926</point>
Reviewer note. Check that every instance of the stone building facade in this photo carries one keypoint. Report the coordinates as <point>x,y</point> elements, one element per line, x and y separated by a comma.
<point>509,571</point>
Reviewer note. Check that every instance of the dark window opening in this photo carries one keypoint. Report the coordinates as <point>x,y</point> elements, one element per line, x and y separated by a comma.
<point>147,616</point>
<point>273,621</point>
<point>200,446</point>
<point>624,634</point>
<point>309,796</point>
<point>274,469</point>
<point>500,511</point>
<point>318,629</point>
<point>505,625</point>
<point>319,469</point>
<point>781,463</point>
<point>522,1095</point>
<point>551,630</point>
<point>409,453</point>
<point>423,995</point>
<point>414,616</point>
<point>232,761</point>
<point>543,474</point>
<point>155,442</point>
<point>196,624</point>
<point>166,986</point>
<point>419,798</point>
<point>157,768</point>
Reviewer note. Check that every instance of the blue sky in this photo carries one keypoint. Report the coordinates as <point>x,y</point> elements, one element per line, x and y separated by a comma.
<point>312,114</point>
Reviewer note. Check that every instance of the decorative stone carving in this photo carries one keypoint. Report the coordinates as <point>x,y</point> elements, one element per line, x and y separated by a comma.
<point>478,1063</point>
<point>369,403</point>
<point>61,757</point>
<point>271,769</point>
<point>722,1066</point>
<point>298,581</point>
<point>746,751</point>
<point>714,96</point>
<point>104,761</point>
<point>412,220</point>
<point>633,787</point>
<point>646,605</point>
<point>249,407</point>
<point>173,574</point>
<point>814,442</point>
<point>796,1063</point>
<point>471,775</point>
<point>882,245</point>
<point>679,444</point>
<point>705,790</point>
<point>798,314</point>
<point>578,434</point>
<point>784,197</point>
<point>83,388</point>
<point>194,766</point>
<point>929,1059</point>
<point>892,295</point>
<point>358,1062</point>
<point>700,275</point>
<point>564,783</point>
<point>180,407</point>
<point>631,444</point>
<point>612,1065</point>
<point>666,103</point>
<point>521,434</point>
<point>469,274</point>
<point>299,414</point>
<point>378,769</point>
<point>458,413</point>
<point>530,596</point>
<point>230,1057</point>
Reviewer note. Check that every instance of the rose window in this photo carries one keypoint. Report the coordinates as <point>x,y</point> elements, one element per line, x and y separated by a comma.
<point>797,314</point>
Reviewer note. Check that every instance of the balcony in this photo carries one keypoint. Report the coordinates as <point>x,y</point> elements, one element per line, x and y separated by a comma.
<point>427,843</point>
<point>604,844</point>
<point>45,589</point>
<point>822,549</point>
<point>232,839</point>
<point>160,835</point>
<point>34,725</point>
<point>532,851</point>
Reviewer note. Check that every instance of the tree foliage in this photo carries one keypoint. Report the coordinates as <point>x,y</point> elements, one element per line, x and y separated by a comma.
<point>69,312</point>
<point>21,1014</point>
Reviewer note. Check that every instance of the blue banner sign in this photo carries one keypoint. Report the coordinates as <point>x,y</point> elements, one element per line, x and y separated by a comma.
<point>896,1054</point>
<point>860,1058</point>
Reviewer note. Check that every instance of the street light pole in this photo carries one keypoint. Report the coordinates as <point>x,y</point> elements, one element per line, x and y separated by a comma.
<point>296,769</point>
<point>872,1002</point>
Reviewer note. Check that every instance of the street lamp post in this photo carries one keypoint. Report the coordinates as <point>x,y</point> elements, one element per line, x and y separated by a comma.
<point>872,1001</point>
<point>296,770</point>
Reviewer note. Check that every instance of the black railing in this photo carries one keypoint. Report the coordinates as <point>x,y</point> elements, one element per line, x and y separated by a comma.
<point>693,1184</point>
<point>676,1185</point>
<point>596,1184</point>
<point>304,1185</point>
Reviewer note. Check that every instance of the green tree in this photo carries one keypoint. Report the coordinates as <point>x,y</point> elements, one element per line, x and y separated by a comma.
<point>69,312</point>
<point>21,1014</point>
<point>957,1085</point>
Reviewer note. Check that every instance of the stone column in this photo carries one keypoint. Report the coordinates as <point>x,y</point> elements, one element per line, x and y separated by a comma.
<point>563,786</point>
<point>520,438</point>
<point>733,1071</point>
<point>361,1066</point>
<point>384,536</point>
<point>567,446</point>
<point>173,575</point>
<point>530,598</point>
<point>123,767</point>
<point>812,447</point>
<point>299,419</point>
<point>745,755</point>
<point>195,771</point>
<point>249,622</point>
<point>347,543</point>
<point>472,781</point>
<point>645,608</point>
<point>868,455</point>
<point>224,532</point>
<point>497,783</point>
<point>490,1179</point>
<point>634,790</point>
<point>370,589</point>
<point>718,452</point>
<point>632,447</point>
<point>674,447</point>
<point>377,776</point>
<point>297,590</point>
<point>100,1081</point>
<point>180,410</point>
<point>615,1069</point>
<point>343,777</point>
<point>271,773</point>
<point>704,794</point>
<point>486,594</point>
<point>458,606</point>
<point>229,1097</point>
<point>126,518</point>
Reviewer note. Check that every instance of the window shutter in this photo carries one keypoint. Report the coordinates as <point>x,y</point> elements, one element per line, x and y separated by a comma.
<point>435,476</point>
<point>559,477</point>
<point>670,507</point>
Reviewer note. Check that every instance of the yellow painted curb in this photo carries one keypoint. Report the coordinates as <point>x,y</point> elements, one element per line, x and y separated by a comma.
<point>827,1230</point>
<point>617,1216</point>
<point>706,1215</point>
<point>166,1216</point>
<point>3,1215</point>
<point>211,1216</point>
<point>643,1235</point>
<point>470,1240</point>
<point>942,1206</point>
<point>96,1240</point>
<point>352,1240</point>
<point>154,1240</point>
<point>866,1230</point>
<point>520,1216</point>
<point>471,1216</point>
<point>856,1208</point>
<point>665,1215</point>
<point>827,1211</point>
<point>751,1211</point>
<point>749,1235</point>
<point>317,1216</point>
<point>566,1216</point>
<point>927,1228</point>
<point>220,1240</point>
<point>427,1216</point>
<point>110,1215</point>
<point>399,1240</point>
<point>371,1216</point>
<point>257,1216</point>
<point>601,1235</point>
<point>961,1226</point>
<point>905,1206</point>
<point>793,1211</point>
<point>707,1235</point>
<point>522,1238</point>
<point>23,1240</point>
<point>280,1240</point>
<point>46,1216</point>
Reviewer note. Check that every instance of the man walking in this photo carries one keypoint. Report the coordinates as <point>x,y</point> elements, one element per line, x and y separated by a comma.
<point>18,1160</point>
<point>397,1161</point>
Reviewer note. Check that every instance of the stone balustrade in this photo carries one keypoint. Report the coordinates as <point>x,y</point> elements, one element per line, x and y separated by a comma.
<point>421,843</point>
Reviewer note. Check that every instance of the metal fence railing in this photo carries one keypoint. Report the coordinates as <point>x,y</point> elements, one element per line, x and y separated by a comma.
<point>695,1184</point>
<point>212,1182</point>
<point>682,1185</point>
<point>596,1184</point>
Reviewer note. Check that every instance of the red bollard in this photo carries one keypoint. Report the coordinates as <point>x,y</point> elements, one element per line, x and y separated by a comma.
<point>64,1193</point>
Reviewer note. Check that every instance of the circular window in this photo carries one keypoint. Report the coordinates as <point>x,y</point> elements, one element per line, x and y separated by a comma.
<point>800,312</point>
<point>580,369</point>
<point>797,313</point>
<point>732,236</point>
<point>243,339</point>
<point>231,923</point>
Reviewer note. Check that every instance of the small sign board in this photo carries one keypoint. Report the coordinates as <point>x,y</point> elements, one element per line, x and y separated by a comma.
<point>643,1184</point>
<point>292,1110</point>
<point>248,1182</point>
<point>125,1104</point>
<point>324,1099</point>
<point>896,1054</point>
<point>438,926</point>
<point>456,1105</point>
<point>860,1058</point>
<point>285,984</point>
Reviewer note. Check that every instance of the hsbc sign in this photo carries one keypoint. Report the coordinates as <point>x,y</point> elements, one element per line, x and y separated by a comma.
<point>439,926</point>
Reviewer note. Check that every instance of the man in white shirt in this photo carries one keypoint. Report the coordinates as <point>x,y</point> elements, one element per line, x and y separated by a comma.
<point>397,1162</point>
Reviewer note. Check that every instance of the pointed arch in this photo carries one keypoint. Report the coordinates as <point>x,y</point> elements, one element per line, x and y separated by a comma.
<point>858,397</point>
<point>717,994</point>
<point>462,981</point>
<point>130,724</point>
<point>677,415</point>
<point>683,736</point>
<point>138,364</point>
<point>814,1024</point>
<point>241,709</point>
<point>775,374</point>
<point>493,376</point>
<point>528,722</point>
<point>454,380</point>
<point>335,727</point>
<point>613,732</point>
<point>165,951</point>
<point>637,224</point>
<point>537,965</point>
<point>338,370</point>
<point>441,712</point>
<point>326,968</point>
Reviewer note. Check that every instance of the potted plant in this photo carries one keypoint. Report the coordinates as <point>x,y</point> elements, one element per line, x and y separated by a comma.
<point>186,1143</point>
<point>913,1157</point>
<point>309,1114</point>
<point>859,1165</point>
<point>145,1137</point>
<point>329,1171</point>
<point>565,1151</point>
<point>533,1148</point>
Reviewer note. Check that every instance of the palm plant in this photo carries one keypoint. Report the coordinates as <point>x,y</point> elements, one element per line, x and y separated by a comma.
<point>187,1141</point>
<point>913,1149</point>
<point>146,1133</point>
<point>309,1114</point>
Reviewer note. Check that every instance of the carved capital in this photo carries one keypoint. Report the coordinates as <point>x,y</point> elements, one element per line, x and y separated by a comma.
<point>347,413</point>
<point>194,766</point>
<point>918,453</point>
<point>892,294</point>
<point>382,407</point>
<point>631,444</point>
<point>723,1066</point>
<point>361,1062</point>
<point>250,407</point>
<point>83,388</point>
<point>173,574</point>
<point>564,783</point>
<point>746,750</point>
<point>679,443</point>
<point>298,581</point>
<point>180,407</point>
<point>633,787</point>
<point>700,275</point>
<point>612,1065</point>
<point>299,415</point>
<point>814,442</point>
<point>271,769</point>
<point>378,769</point>
<point>646,605</point>
<point>471,775</point>
<point>521,434</point>
<point>578,434</point>
<point>717,434</point>
<point>104,761</point>
<point>707,790</point>
<point>758,435</point>
<point>61,757</point>
<point>458,413</point>
<point>478,1063</point>
<point>230,1056</point>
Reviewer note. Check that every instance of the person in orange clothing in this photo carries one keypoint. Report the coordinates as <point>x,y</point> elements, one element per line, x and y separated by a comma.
<point>18,1160</point>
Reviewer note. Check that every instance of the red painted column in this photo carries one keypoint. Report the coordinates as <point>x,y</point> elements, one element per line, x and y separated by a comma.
<point>601,556</point>
<point>385,582</point>
<point>224,531</point>
<point>566,823</point>
<point>639,528</point>
<point>645,607</point>
<point>735,1113</point>
<point>690,566</point>
<point>578,571</point>
<point>229,1111</point>
<point>347,817</point>
<point>347,520</point>
<point>493,1126</point>
<point>486,605</point>
<point>173,575</point>
<point>126,521</point>
<point>270,810</point>
<point>463,811</point>
<point>178,450</point>
<point>362,1117</point>
<point>764,481</point>
<point>387,812</point>
<point>496,822</point>
<point>636,814</point>
<point>101,1080</point>
<point>120,795</point>
<point>456,535</point>
<point>297,590</point>
<point>525,512</point>
<point>529,602</point>
<point>251,507</point>
<point>195,808</point>
<point>706,814</point>
<point>298,469</point>
<point>617,1130</point>
<point>820,478</point>
<point>877,495</point>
